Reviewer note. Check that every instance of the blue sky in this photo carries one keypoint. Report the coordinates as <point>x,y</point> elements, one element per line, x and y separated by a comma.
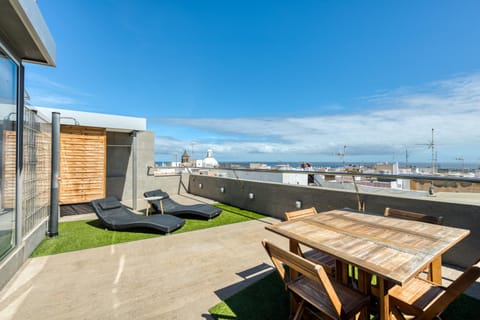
<point>274,80</point>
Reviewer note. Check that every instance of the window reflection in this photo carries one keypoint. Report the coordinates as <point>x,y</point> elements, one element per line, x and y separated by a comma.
<point>8,98</point>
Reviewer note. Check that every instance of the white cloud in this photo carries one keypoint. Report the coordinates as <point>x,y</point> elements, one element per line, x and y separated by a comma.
<point>391,121</point>
<point>45,92</point>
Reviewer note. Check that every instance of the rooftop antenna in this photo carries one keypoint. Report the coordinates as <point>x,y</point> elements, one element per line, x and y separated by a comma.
<point>176,157</point>
<point>342,155</point>
<point>463,162</point>
<point>431,145</point>
<point>192,143</point>
<point>406,157</point>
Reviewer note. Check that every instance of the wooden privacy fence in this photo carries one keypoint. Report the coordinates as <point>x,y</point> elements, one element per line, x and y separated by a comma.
<point>82,164</point>
<point>9,140</point>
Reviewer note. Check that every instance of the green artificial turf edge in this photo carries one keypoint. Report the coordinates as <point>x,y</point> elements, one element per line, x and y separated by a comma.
<point>85,234</point>
<point>268,299</point>
<point>264,299</point>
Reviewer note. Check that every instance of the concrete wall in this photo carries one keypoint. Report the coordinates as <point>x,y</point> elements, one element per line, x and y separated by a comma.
<point>120,168</point>
<point>274,199</point>
<point>120,164</point>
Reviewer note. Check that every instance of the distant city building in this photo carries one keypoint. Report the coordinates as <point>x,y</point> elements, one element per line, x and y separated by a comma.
<point>386,168</point>
<point>185,157</point>
<point>262,166</point>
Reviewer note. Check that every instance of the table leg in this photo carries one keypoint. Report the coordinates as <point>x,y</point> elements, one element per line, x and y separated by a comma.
<point>383,298</point>
<point>341,272</point>
<point>364,287</point>
<point>435,271</point>
<point>293,274</point>
<point>161,206</point>
<point>295,249</point>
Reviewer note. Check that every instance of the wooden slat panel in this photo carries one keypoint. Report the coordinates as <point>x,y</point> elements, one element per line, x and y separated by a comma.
<point>82,164</point>
<point>8,170</point>
<point>42,168</point>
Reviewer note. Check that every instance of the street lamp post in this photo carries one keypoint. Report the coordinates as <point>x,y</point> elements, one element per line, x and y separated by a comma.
<point>192,143</point>
<point>176,158</point>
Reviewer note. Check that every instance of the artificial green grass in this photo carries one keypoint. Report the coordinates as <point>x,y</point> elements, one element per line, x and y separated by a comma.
<point>264,299</point>
<point>78,235</point>
<point>267,299</point>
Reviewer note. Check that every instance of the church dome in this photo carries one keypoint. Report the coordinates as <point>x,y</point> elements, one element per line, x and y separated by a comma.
<point>210,161</point>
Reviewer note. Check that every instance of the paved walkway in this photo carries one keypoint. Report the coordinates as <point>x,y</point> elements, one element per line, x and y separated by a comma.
<point>173,277</point>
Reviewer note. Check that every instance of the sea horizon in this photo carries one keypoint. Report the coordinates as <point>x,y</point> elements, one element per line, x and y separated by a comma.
<point>334,164</point>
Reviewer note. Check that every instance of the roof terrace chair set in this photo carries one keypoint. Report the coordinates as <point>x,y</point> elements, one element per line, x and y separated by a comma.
<point>314,289</point>
<point>426,300</point>
<point>418,298</point>
<point>116,216</point>
<point>162,203</point>
<point>410,215</point>
<point>328,262</point>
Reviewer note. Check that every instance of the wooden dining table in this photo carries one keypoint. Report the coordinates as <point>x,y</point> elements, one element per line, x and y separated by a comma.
<point>394,250</point>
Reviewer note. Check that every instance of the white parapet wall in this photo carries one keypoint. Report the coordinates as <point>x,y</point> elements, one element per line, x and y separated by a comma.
<point>90,119</point>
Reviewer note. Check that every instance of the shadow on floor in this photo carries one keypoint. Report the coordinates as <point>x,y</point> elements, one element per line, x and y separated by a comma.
<point>75,209</point>
<point>262,296</point>
<point>99,225</point>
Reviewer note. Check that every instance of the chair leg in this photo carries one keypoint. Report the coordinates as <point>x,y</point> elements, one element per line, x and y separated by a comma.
<point>396,313</point>
<point>300,309</point>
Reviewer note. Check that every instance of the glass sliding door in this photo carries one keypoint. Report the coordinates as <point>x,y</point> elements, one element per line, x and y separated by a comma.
<point>8,107</point>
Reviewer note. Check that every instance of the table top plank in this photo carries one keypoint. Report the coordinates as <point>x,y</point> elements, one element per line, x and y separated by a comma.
<point>393,248</point>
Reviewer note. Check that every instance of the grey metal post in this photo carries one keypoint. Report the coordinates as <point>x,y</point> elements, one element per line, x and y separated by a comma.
<point>134,170</point>
<point>19,158</point>
<point>53,221</point>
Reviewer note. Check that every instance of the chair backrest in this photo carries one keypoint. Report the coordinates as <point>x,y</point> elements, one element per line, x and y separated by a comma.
<point>457,287</point>
<point>409,215</point>
<point>292,215</point>
<point>314,272</point>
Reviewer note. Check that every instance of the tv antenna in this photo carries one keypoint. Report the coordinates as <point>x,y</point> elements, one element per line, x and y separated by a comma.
<point>192,144</point>
<point>431,145</point>
<point>463,162</point>
<point>342,155</point>
<point>406,157</point>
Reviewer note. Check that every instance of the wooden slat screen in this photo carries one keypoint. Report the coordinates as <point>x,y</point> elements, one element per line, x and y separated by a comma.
<point>9,169</point>
<point>82,164</point>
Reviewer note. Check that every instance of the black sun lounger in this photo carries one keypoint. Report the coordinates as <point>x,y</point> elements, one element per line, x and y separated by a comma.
<point>116,216</point>
<point>159,199</point>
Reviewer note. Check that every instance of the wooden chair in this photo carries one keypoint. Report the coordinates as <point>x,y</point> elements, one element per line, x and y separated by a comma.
<point>314,288</point>
<point>409,215</point>
<point>327,261</point>
<point>415,216</point>
<point>426,300</point>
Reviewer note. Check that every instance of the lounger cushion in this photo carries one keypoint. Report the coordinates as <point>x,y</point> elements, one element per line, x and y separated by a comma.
<point>108,204</point>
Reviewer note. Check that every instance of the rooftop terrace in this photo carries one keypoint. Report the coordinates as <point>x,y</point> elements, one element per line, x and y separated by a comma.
<point>179,276</point>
